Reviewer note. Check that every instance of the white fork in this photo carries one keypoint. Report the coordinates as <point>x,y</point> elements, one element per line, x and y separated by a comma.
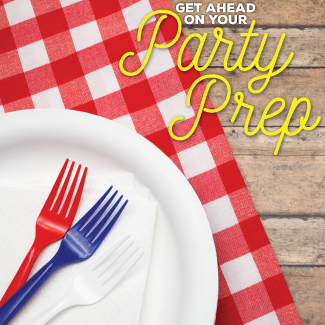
<point>94,282</point>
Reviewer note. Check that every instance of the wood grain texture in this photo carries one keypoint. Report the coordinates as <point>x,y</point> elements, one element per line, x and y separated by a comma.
<point>291,83</point>
<point>307,286</point>
<point>277,12</point>
<point>297,241</point>
<point>308,44</point>
<point>307,145</point>
<point>285,185</point>
<point>288,190</point>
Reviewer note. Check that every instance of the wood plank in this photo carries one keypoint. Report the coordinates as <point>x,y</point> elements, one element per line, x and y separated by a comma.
<point>308,44</point>
<point>307,287</point>
<point>277,13</point>
<point>297,241</point>
<point>306,143</point>
<point>289,84</point>
<point>283,185</point>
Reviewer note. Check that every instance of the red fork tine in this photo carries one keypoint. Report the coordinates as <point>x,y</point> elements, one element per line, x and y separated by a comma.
<point>59,199</point>
<point>55,187</point>
<point>77,197</point>
<point>67,201</point>
<point>49,229</point>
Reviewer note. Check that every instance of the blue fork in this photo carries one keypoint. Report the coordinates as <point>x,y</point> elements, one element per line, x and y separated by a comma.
<point>79,243</point>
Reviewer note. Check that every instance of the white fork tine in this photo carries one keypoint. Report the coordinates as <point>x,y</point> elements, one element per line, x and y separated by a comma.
<point>108,274</point>
<point>97,263</point>
<point>88,287</point>
<point>109,261</point>
<point>112,284</point>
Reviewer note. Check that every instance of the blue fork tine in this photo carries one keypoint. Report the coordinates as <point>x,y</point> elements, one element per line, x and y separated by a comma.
<point>101,224</point>
<point>107,229</point>
<point>86,217</point>
<point>85,226</point>
<point>76,246</point>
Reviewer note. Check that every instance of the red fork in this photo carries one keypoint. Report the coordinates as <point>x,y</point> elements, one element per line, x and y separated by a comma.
<point>52,223</point>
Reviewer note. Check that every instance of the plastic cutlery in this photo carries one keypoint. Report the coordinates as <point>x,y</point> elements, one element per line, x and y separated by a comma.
<point>52,223</point>
<point>95,282</point>
<point>79,243</point>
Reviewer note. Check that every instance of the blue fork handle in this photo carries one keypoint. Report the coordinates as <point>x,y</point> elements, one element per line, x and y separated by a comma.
<point>11,307</point>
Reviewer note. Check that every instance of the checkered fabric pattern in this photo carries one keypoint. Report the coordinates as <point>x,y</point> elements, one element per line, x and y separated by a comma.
<point>65,54</point>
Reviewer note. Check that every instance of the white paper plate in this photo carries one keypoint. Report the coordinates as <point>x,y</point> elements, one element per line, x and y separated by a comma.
<point>182,285</point>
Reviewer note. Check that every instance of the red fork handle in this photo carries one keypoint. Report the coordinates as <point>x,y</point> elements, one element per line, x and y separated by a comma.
<point>22,274</point>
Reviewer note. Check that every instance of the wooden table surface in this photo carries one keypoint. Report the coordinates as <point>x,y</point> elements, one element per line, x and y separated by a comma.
<point>288,190</point>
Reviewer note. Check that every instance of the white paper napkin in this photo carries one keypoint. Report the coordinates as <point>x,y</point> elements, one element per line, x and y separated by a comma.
<point>19,208</point>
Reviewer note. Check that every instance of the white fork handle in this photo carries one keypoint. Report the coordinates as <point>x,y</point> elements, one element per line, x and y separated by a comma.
<point>52,311</point>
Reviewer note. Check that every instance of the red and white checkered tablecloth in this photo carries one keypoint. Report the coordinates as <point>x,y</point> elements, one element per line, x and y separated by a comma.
<point>65,54</point>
